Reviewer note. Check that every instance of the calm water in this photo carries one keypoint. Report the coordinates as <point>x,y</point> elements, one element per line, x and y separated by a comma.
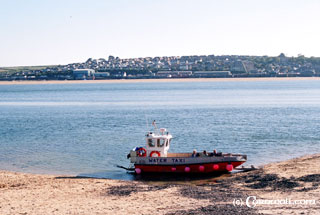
<point>87,129</point>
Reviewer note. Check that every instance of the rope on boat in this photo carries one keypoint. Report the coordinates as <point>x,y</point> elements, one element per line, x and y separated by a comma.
<point>122,167</point>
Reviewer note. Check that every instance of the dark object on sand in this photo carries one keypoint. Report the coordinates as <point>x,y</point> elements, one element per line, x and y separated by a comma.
<point>246,169</point>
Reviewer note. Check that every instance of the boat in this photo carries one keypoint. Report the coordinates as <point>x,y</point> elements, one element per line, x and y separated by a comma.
<point>155,158</point>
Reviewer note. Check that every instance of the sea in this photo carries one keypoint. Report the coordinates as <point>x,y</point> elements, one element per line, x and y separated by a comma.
<point>88,129</point>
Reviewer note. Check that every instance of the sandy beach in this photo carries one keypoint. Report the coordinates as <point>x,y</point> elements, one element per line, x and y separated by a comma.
<point>160,80</point>
<point>295,180</point>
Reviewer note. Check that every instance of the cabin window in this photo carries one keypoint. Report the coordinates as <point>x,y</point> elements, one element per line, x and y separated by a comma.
<point>150,143</point>
<point>163,142</point>
<point>160,142</point>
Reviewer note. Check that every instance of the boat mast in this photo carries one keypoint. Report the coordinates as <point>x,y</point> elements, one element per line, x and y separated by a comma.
<point>155,126</point>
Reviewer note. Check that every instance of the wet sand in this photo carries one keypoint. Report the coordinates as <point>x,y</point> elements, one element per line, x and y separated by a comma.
<point>296,179</point>
<point>159,80</point>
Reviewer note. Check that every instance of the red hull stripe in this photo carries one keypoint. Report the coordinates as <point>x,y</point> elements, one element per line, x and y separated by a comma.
<point>208,167</point>
<point>183,164</point>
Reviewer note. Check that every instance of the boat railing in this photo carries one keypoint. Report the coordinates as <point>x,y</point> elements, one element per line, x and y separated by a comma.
<point>200,154</point>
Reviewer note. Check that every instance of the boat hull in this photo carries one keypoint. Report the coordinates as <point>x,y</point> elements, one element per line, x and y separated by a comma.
<point>203,168</point>
<point>185,163</point>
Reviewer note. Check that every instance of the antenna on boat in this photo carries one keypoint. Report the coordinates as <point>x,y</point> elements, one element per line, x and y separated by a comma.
<point>155,125</point>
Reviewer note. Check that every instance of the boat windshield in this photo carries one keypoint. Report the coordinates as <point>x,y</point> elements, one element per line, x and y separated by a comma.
<point>159,142</point>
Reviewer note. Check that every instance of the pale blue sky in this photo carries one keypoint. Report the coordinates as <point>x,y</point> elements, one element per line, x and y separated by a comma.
<point>44,32</point>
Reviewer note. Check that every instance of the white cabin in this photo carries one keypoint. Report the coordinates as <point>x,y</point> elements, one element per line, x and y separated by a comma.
<point>158,144</point>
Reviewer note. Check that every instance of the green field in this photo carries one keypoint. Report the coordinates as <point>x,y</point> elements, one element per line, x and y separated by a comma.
<point>15,69</point>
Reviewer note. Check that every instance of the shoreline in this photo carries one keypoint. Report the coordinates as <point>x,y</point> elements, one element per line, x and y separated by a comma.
<point>294,179</point>
<point>28,82</point>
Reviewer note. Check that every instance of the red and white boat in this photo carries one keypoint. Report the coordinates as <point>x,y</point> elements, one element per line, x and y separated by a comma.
<point>155,158</point>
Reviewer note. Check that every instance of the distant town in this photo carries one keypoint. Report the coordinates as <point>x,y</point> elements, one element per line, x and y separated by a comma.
<point>203,66</point>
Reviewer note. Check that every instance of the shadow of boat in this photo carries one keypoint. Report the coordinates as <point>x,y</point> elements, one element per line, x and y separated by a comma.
<point>196,179</point>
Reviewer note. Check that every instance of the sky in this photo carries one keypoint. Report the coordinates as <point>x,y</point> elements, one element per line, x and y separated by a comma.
<point>51,32</point>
